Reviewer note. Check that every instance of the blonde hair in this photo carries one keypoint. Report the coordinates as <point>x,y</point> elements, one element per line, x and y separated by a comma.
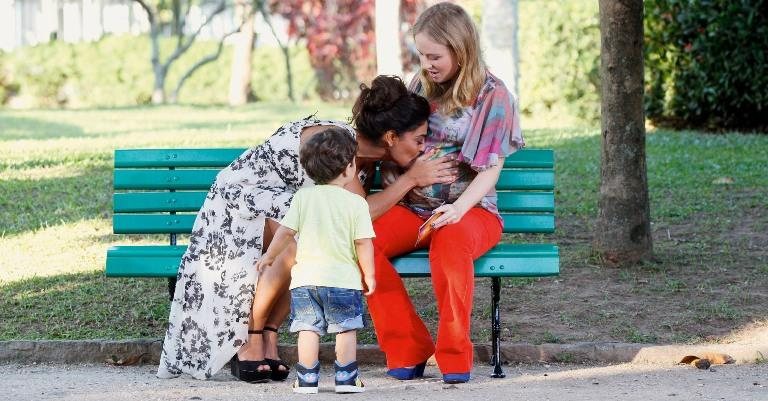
<point>451,26</point>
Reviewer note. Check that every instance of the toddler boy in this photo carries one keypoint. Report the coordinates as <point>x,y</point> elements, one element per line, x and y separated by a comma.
<point>334,235</point>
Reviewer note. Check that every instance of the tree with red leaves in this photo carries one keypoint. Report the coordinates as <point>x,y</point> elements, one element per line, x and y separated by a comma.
<point>340,38</point>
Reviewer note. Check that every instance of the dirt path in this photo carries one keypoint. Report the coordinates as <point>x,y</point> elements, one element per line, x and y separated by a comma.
<point>525,382</point>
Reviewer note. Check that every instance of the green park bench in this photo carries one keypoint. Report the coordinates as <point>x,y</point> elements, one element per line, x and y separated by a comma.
<point>159,191</point>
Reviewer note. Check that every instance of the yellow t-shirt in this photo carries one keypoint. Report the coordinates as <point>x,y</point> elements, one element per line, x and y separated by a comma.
<point>328,220</point>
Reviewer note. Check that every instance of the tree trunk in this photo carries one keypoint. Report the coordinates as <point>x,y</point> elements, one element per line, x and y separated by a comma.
<point>160,68</point>
<point>623,231</point>
<point>499,35</point>
<point>176,22</point>
<point>284,47</point>
<point>388,52</point>
<point>158,91</point>
<point>242,59</point>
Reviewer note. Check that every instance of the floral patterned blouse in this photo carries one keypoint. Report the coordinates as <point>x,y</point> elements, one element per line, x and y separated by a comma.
<point>478,136</point>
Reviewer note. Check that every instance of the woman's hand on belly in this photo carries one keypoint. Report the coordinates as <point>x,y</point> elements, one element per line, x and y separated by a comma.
<point>426,171</point>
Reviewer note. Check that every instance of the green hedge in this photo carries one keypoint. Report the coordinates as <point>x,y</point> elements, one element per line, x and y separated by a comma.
<point>8,87</point>
<point>707,63</point>
<point>116,71</point>
<point>560,59</point>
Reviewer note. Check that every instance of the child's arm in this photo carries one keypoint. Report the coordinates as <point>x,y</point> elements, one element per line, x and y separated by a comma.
<point>280,241</point>
<point>477,189</point>
<point>364,248</point>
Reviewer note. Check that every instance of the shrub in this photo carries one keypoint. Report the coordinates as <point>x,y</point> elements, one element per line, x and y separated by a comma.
<point>8,87</point>
<point>706,63</point>
<point>560,59</point>
<point>116,71</point>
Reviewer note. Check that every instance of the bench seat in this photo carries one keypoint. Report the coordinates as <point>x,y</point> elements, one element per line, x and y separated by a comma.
<point>504,260</point>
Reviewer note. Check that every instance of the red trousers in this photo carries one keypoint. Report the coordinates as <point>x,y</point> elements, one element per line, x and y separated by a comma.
<point>452,249</point>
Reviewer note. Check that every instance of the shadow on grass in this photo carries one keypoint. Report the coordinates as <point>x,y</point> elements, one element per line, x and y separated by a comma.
<point>16,128</point>
<point>83,306</point>
<point>31,204</point>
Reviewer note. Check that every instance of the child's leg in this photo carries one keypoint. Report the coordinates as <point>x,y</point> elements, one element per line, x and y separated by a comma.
<point>308,368</point>
<point>347,373</point>
<point>308,347</point>
<point>308,321</point>
<point>346,347</point>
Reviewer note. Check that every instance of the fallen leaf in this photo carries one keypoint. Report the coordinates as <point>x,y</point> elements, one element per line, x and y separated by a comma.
<point>700,363</point>
<point>713,358</point>
<point>718,358</point>
<point>688,359</point>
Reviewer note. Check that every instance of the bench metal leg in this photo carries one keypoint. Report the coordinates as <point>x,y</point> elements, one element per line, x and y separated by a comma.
<point>496,330</point>
<point>171,287</point>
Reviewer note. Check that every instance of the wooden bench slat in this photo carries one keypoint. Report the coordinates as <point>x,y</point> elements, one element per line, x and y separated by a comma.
<point>200,179</point>
<point>137,179</point>
<point>134,158</point>
<point>526,180</point>
<point>137,223</point>
<point>148,158</point>
<point>504,260</point>
<point>153,223</point>
<point>528,223</point>
<point>531,158</point>
<point>133,202</point>
<point>526,201</point>
<point>191,201</point>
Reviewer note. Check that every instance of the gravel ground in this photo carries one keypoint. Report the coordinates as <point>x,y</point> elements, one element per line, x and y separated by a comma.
<point>525,381</point>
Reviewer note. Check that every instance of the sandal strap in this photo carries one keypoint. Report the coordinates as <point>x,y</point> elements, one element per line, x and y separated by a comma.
<point>255,331</point>
<point>269,328</point>
<point>276,363</point>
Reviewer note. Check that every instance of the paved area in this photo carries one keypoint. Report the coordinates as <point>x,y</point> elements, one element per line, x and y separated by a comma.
<point>523,382</point>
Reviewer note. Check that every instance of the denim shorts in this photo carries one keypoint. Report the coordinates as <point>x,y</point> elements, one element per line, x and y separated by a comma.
<point>326,309</point>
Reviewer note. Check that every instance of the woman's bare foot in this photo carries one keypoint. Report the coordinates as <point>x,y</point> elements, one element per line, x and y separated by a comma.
<point>253,350</point>
<point>270,341</point>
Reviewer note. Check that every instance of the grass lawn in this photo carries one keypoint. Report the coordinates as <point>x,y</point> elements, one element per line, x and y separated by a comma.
<point>708,203</point>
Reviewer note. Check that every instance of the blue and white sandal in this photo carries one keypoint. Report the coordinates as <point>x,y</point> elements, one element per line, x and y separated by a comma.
<point>348,378</point>
<point>307,379</point>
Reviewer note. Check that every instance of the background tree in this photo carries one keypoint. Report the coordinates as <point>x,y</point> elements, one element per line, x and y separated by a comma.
<point>284,47</point>
<point>183,43</point>
<point>388,51</point>
<point>499,37</point>
<point>340,39</point>
<point>623,231</point>
<point>409,11</point>
<point>240,91</point>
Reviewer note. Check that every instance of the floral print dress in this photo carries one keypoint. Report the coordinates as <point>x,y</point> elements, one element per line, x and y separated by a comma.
<point>211,307</point>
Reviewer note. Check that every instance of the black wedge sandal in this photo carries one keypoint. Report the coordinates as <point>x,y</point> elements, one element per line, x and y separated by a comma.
<point>248,371</point>
<point>277,374</point>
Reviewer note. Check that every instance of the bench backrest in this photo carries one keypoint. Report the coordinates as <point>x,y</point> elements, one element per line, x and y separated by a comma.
<point>160,190</point>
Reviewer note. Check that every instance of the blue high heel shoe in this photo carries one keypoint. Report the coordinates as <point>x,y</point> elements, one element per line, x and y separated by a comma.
<point>456,378</point>
<point>408,373</point>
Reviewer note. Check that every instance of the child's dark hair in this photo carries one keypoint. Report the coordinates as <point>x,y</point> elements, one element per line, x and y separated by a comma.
<point>388,105</point>
<point>326,154</point>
